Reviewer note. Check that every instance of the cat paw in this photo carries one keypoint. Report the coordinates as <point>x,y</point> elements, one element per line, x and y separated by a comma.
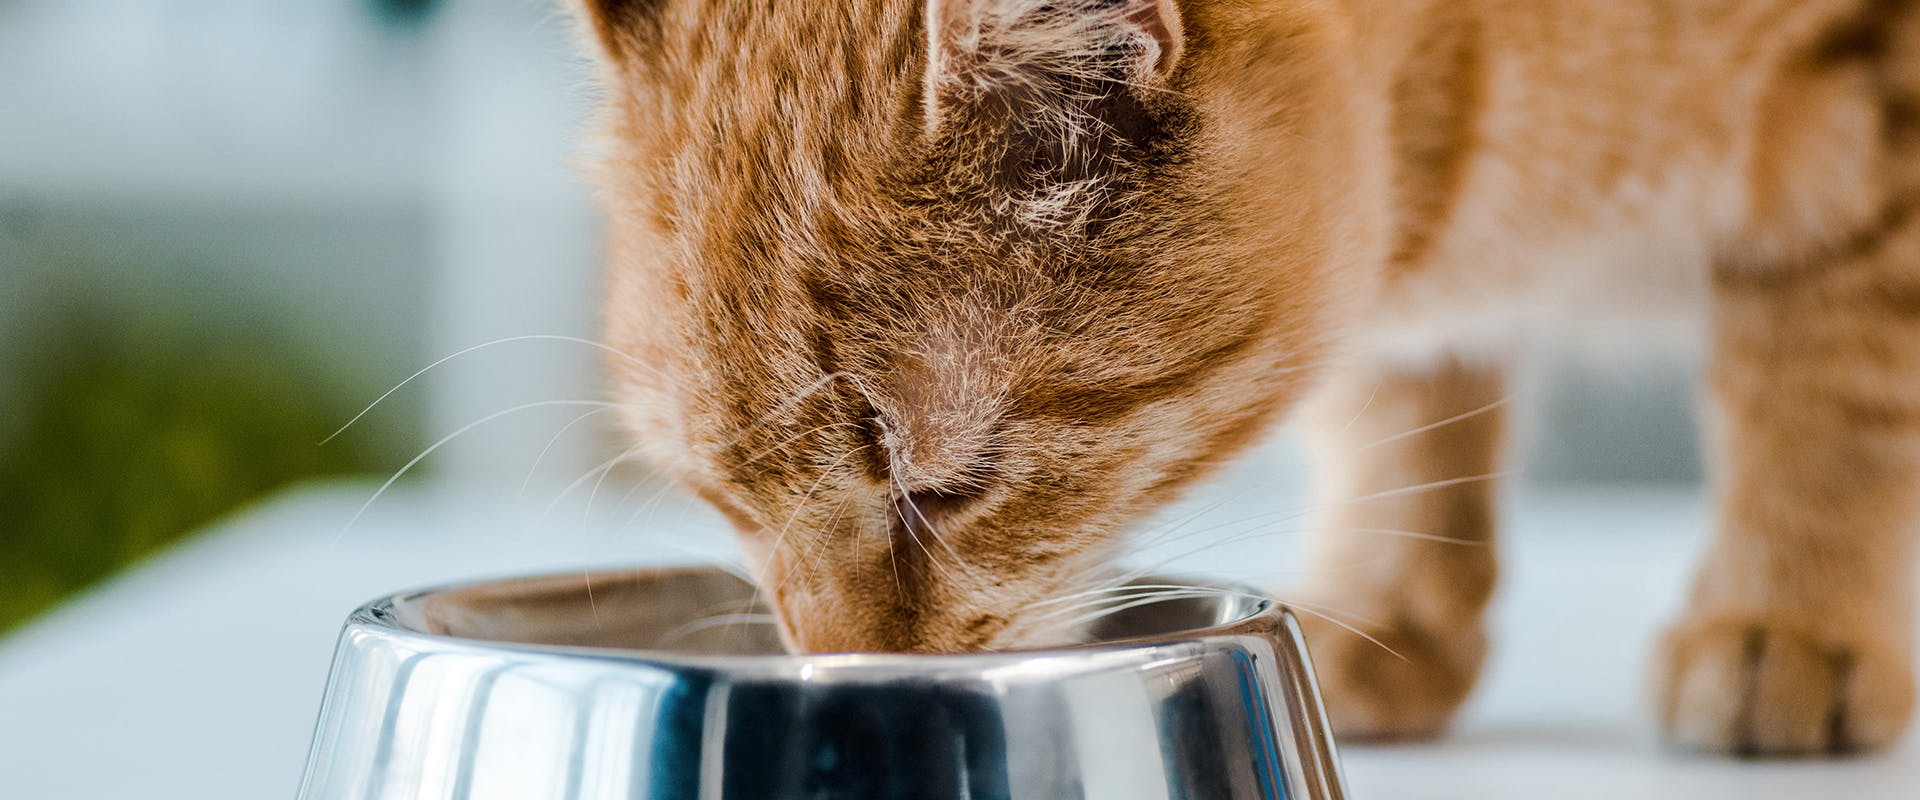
<point>1751,687</point>
<point>1404,684</point>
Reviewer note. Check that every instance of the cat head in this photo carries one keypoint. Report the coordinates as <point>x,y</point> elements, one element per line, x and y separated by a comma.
<point>933,298</point>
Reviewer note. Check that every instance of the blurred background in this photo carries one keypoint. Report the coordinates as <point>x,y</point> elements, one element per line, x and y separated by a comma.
<point>226,226</point>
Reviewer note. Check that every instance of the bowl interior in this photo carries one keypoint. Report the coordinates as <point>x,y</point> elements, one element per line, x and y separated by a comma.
<point>708,611</point>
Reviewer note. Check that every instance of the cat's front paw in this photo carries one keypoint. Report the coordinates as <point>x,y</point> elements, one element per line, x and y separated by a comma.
<point>1404,683</point>
<point>1747,685</point>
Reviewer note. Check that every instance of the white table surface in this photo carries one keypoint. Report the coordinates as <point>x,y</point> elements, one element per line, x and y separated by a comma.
<point>198,675</point>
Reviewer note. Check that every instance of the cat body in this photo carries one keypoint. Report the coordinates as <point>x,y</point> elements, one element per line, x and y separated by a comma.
<point>1567,162</point>
<point>1745,167</point>
<point>933,298</point>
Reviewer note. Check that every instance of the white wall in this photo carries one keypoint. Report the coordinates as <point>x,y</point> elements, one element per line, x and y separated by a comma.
<point>405,187</point>
<point>517,244</point>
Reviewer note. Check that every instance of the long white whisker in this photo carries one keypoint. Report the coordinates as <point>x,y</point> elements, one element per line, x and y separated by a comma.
<point>1429,486</point>
<point>794,438</point>
<point>532,337</point>
<point>1147,601</point>
<point>1293,514</point>
<point>805,562</point>
<point>1261,534</point>
<point>716,621</point>
<point>1130,587</point>
<point>586,514</point>
<point>597,469</point>
<point>535,467</point>
<point>651,503</point>
<point>448,438</point>
<point>1371,396</point>
<point>1161,592</point>
<point>1348,628</point>
<point>785,528</point>
<point>1441,424</point>
<point>1153,538</point>
<point>1323,608</point>
<point>591,603</point>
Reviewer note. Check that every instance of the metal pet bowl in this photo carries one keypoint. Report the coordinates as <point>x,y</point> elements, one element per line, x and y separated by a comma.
<point>544,688</point>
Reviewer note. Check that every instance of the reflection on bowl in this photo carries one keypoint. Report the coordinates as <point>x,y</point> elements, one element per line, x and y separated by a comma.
<point>670,683</point>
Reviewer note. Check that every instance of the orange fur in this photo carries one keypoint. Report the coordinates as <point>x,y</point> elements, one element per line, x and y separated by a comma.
<point>938,296</point>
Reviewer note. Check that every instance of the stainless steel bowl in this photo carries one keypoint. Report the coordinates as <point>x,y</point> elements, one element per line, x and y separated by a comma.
<point>623,685</point>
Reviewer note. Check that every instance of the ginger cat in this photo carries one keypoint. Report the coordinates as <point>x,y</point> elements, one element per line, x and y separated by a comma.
<point>935,297</point>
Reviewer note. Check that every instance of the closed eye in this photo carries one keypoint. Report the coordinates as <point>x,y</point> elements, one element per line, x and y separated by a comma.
<point>924,512</point>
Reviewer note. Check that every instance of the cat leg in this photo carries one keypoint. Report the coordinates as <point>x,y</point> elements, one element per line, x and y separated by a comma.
<point>1799,635</point>
<point>1404,550</point>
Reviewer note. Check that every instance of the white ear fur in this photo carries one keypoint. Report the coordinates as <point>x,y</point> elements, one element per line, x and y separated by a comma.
<point>981,43</point>
<point>1160,21</point>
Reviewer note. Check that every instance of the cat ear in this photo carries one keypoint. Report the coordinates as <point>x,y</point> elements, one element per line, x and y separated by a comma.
<point>977,46</point>
<point>620,28</point>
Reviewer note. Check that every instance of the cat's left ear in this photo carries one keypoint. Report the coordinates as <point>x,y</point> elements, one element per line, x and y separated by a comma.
<point>620,28</point>
<point>979,46</point>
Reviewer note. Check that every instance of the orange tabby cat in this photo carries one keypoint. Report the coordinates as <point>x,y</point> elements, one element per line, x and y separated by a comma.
<point>938,296</point>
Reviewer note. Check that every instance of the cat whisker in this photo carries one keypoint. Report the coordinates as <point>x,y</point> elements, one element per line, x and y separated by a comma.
<point>1319,611</point>
<point>633,488</point>
<point>586,514</point>
<point>1460,417</point>
<point>592,604</point>
<point>443,441</point>
<point>901,487</point>
<point>1064,615</point>
<point>598,469</point>
<point>939,539</point>
<point>535,466</point>
<point>907,525</point>
<point>1394,533</point>
<point>805,562</point>
<point>1428,486</point>
<point>807,391</point>
<point>651,503</point>
<point>1151,538</point>
<point>780,539</point>
<point>533,337</point>
<point>1286,515</point>
<point>795,438</point>
<point>716,621</point>
<point>1371,396</point>
<point>1171,590</point>
<point>1110,592</point>
<point>1161,594</point>
<point>1262,534</point>
<point>1129,603</point>
<point>770,418</point>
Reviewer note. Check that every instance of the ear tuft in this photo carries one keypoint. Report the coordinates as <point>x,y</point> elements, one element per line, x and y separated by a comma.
<point>621,28</point>
<point>975,47</point>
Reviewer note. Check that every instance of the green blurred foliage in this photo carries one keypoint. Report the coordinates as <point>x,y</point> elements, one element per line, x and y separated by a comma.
<point>129,425</point>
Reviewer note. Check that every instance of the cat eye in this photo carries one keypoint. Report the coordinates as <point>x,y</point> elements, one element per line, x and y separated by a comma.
<point>921,513</point>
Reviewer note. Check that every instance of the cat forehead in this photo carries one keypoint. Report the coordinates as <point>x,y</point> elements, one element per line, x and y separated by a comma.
<point>848,95</point>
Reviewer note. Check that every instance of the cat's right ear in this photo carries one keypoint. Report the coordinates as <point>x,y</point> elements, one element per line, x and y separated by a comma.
<point>621,29</point>
<point>978,49</point>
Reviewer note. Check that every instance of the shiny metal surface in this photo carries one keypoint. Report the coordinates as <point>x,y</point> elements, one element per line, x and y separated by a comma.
<point>626,685</point>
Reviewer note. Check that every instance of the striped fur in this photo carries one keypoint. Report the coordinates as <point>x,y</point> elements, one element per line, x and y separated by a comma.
<point>935,297</point>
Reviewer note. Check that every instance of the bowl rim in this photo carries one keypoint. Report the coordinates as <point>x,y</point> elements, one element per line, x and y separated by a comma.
<point>1266,614</point>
